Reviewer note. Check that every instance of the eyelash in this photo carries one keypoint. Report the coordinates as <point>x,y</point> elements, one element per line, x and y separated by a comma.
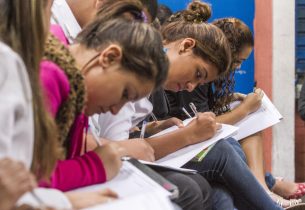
<point>198,74</point>
<point>125,94</point>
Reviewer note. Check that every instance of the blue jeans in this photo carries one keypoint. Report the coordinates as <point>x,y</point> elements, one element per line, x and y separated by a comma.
<point>221,198</point>
<point>224,166</point>
<point>269,178</point>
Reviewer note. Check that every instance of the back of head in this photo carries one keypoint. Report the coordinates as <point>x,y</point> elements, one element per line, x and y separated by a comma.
<point>164,12</point>
<point>211,43</point>
<point>152,8</point>
<point>141,46</point>
<point>22,27</point>
<point>112,9</point>
<point>237,32</point>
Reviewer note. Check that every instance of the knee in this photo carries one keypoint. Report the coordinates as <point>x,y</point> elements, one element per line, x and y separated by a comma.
<point>192,195</point>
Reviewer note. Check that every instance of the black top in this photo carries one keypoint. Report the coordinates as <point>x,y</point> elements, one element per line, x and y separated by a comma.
<point>169,104</point>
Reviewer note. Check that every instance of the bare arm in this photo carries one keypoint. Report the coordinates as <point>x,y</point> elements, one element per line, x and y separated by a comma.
<point>200,129</point>
<point>251,103</point>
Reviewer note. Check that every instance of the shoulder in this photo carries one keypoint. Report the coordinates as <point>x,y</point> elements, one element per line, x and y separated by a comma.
<point>12,66</point>
<point>53,78</point>
<point>8,56</point>
<point>58,32</point>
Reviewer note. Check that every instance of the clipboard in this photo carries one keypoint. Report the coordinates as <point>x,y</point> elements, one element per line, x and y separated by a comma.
<point>170,187</point>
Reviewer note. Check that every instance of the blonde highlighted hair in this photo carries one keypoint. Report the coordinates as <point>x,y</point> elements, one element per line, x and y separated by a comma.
<point>23,28</point>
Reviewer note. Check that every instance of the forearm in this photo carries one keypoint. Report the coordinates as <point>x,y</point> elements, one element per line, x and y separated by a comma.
<point>169,143</point>
<point>233,116</point>
<point>69,174</point>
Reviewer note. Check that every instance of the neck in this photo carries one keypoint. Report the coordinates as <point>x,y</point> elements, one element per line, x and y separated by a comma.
<point>83,10</point>
<point>81,54</point>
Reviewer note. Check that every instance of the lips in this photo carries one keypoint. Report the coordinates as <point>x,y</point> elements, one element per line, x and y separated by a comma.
<point>102,110</point>
<point>179,87</point>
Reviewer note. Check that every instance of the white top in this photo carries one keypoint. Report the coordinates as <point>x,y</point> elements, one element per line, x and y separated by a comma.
<point>16,122</point>
<point>116,127</point>
<point>63,16</point>
<point>109,126</point>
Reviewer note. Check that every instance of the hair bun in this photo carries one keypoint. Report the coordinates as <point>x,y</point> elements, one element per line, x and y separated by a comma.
<point>198,12</point>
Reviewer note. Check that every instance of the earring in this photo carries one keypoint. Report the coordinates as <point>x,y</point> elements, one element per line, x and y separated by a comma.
<point>165,50</point>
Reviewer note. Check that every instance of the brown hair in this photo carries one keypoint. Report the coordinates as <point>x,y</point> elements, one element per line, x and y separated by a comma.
<point>141,46</point>
<point>113,9</point>
<point>211,44</point>
<point>22,27</point>
<point>239,36</point>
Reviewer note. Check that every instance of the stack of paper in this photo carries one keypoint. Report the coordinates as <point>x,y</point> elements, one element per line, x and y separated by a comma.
<point>182,156</point>
<point>129,181</point>
<point>263,118</point>
<point>147,201</point>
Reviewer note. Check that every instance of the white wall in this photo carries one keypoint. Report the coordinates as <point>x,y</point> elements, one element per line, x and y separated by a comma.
<point>283,87</point>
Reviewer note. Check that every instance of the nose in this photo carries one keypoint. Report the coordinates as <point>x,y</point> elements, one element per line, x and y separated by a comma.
<point>190,86</point>
<point>114,109</point>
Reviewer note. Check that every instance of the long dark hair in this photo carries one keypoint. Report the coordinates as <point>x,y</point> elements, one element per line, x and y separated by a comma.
<point>239,36</point>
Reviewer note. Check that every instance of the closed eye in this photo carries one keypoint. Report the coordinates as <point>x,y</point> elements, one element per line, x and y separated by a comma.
<point>125,94</point>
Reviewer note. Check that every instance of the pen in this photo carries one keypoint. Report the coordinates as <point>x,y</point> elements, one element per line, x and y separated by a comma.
<point>154,117</point>
<point>143,130</point>
<point>188,114</point>
<point>194,109</point>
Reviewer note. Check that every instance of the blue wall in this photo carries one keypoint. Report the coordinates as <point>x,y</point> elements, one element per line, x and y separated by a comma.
<point>242,9</point>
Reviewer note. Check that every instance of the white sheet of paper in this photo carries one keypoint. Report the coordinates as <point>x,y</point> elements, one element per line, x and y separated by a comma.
<point>182,156</point>
<point>130,181</point>
<point>263,118</point>
<point>147,201</point>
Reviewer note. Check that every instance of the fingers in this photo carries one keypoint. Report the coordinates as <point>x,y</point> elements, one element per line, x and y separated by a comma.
<point>177,122</point>
<point>259,92</point>
<point>218,126</point>
<point>109,193</point>
<point>208,114</point>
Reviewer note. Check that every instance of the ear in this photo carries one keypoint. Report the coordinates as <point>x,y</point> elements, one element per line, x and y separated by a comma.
<point>110,55</point>
<point>187,45</point>
<point>99,3</point>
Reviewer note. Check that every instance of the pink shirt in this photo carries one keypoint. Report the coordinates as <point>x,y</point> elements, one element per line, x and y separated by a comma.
<point>77,170</point>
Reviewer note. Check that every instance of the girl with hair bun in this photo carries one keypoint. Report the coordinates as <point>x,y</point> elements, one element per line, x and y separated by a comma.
<point>198,54</point>
<point>217,99</point>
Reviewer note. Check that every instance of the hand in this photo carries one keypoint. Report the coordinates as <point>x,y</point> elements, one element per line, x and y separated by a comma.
<point>253,101</point>
<point>238,97</point>
<point>15,180</point>
<point>203,127</point>
<point>111,154</point>
<point>158,126</point>
<point>80,200</point>
<point>139,149</point>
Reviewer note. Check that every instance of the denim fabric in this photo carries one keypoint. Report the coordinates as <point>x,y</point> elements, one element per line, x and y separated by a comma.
<point>224,166</point>
<point>270,180</point>
<point>222,198</point>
